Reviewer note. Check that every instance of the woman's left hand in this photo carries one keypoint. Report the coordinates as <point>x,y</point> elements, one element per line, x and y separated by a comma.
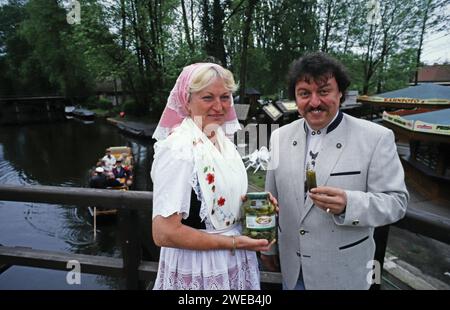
<point>247,243</point>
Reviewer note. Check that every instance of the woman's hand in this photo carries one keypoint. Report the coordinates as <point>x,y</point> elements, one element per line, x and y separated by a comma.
<point>274,201</point>
<point>271,198</point>
<point>247,243</point>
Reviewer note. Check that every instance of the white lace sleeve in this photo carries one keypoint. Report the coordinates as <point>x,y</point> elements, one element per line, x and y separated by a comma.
<point>172,179</point>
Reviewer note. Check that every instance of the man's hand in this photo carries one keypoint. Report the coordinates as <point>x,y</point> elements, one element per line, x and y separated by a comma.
<point>270,262</point>
<point>330,199</point>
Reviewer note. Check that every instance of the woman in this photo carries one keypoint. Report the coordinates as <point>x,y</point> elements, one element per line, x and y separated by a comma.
<point>198,181</point>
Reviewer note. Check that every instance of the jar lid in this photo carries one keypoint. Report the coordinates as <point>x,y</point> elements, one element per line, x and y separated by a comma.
<point>258,195</point>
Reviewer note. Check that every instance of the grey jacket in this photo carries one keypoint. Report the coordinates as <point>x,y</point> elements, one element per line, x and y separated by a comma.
<point>335,251</point>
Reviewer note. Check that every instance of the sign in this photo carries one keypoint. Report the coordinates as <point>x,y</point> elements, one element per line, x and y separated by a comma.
<point>417,126</point>
<point>411,101</point>
<point>272,111</point>
<point>287,106</point>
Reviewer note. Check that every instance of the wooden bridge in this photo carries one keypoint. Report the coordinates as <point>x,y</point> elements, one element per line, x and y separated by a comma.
<point>21,110</point>
<point>131,266</point>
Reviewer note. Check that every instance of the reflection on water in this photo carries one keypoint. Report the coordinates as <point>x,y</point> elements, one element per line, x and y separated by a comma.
<point>61,154</point>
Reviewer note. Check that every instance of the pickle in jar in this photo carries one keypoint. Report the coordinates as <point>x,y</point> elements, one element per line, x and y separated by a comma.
<point>259,220</point>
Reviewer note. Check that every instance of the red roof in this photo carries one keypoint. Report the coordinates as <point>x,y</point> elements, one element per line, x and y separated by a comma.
<point>435,73</point>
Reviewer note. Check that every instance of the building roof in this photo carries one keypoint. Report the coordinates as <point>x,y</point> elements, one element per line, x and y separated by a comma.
<point>441,117</point>
<point>435,73</point>
<point>252,91</point>
<point>421,91</point>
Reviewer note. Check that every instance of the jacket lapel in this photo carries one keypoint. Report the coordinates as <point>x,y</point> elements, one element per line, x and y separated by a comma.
<point>297,160</point>
<point>332,147</point>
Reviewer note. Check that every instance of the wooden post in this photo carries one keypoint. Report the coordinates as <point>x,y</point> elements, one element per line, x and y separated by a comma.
<point>381,237</point>
<point>95,223</point>
<point>131,247</point>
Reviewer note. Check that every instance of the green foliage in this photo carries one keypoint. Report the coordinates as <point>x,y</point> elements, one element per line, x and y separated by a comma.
<point>145,44</point>
<point>132,107</point>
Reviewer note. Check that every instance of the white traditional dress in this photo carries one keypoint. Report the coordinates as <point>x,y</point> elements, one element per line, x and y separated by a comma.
<point>188,160</point>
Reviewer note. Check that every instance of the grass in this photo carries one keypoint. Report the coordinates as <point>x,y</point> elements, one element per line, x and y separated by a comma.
<point>101,112</point>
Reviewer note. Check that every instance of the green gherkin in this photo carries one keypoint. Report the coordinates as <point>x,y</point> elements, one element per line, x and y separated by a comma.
<point>259,221</point>
<point>311,179</point>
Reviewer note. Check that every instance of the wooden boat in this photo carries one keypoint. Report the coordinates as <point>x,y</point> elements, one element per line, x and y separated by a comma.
<point>83,114</point>
<point>126,155</point>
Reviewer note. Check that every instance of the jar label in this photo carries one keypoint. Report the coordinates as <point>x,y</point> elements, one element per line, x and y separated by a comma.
<point>261,222</point>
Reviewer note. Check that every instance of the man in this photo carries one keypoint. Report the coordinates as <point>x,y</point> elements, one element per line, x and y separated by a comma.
<point>98,180</point>
<point>121,172</point>
<point>109,161</point>
<point>325,235</point>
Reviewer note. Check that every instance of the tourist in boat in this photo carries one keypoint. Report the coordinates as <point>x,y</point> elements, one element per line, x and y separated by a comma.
<point>99,179</point>
<point>109,160</point>
<point>121,172</point>
<point>198,180</point>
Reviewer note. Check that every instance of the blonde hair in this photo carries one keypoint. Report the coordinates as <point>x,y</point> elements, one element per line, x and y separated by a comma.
<point>205,75</point>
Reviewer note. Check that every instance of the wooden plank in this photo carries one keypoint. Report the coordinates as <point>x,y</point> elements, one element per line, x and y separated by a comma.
<point>270,277</point>
<point>131,247</point>
<point>77,196</point>
<point>57,260</point>
<point>3,268</point>
<point>91,264</point>
<point>426,224</point>
<point>148,270</point>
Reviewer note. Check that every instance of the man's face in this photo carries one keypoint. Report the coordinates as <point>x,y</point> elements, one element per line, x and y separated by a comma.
<point>318,104</point>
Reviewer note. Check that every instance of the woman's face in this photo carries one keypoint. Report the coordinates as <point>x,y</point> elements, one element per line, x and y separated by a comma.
<point>209,106</point>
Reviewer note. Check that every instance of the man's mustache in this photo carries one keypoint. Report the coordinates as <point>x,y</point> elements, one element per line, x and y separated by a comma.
<point>320,107</point>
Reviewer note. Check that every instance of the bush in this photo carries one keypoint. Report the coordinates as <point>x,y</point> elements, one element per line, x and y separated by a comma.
<point>131,107</point>
<point>104,104</point>
<point>98,103</point>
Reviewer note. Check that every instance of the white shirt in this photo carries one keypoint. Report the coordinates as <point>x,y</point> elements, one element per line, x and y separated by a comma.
<point>109,162</point>
<point>314,140</point>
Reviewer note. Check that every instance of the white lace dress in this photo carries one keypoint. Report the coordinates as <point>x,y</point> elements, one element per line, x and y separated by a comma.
<point>174,177</point>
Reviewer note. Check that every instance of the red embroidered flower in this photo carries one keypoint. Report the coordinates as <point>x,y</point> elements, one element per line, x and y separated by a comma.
<point>210,178</point>
<point>221,201</point>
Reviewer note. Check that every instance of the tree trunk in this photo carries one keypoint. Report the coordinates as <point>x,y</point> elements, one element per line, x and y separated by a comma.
<point>186,26</point>
<point>246,33</point>
<point>328,23</point>
<point>419,49</point>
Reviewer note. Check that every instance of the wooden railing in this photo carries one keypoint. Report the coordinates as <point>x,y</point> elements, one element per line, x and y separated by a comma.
<point>130,266</point>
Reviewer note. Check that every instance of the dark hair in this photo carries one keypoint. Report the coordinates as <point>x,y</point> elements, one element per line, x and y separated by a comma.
<point>318,67</point>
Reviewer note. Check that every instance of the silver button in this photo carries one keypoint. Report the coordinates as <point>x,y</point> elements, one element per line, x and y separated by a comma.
<point>355,222</point>
<point>302,232</point>
<point>298,254</point>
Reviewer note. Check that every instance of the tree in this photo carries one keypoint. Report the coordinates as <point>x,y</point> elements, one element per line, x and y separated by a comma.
<point>380,40</point>
<point>433,18</point>
<point>245,36</point>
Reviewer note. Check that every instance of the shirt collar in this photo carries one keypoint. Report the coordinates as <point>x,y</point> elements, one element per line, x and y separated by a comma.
<point>327,129</point>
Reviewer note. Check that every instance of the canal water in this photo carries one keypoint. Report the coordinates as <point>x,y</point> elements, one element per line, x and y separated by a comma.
<point>62,154</point>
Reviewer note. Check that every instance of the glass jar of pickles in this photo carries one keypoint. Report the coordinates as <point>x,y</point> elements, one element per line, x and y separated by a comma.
<point>259,216</point>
